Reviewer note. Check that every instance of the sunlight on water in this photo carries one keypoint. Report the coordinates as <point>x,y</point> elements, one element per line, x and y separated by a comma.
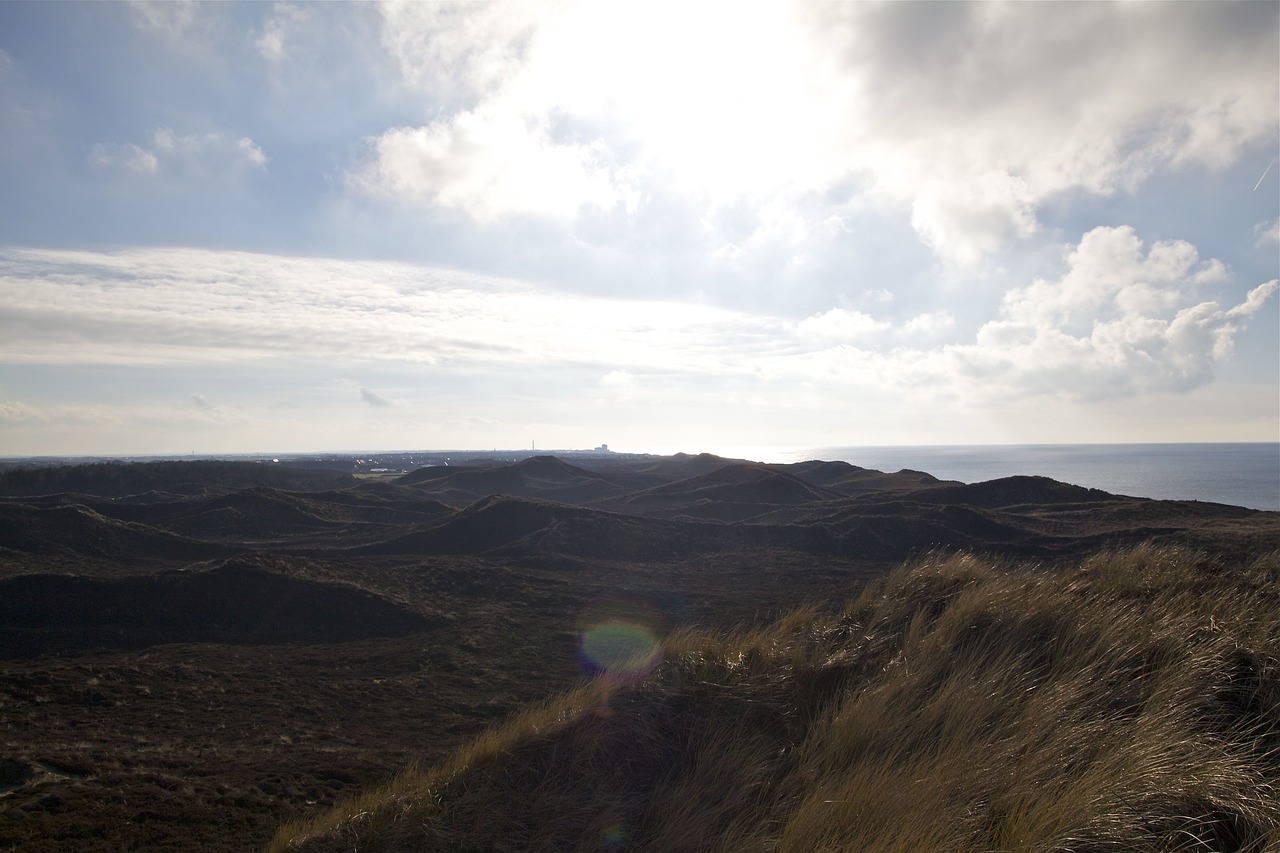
<point>620,640</point>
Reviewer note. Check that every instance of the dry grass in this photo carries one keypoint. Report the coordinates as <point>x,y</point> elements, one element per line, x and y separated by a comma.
<point>1131,702</point>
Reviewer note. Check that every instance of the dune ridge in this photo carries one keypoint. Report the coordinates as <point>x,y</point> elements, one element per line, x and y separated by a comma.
<point>1129,702</point>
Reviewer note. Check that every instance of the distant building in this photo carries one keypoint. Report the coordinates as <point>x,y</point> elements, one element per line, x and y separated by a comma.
<point>604,448</point>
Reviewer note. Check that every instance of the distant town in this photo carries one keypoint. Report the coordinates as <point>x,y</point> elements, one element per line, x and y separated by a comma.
<point>370,462</point>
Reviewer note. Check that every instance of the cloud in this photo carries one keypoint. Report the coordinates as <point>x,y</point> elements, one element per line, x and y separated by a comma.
<point>189,307</point>
<point>1019,103</point>
<point>172,19</point>
<point>561,112</point>
<point>929,325</point>
<point>1266,232</point>
<point>1121,319</point>
<point>250,152</point>
<point>16,411</point>
<point>129,157</point>
<point>20,413</point>
<point>273,40</point>
<point>211,412</point>
<point>459,50</point>
<point>1119,322</point>
<point>490,164</point>
<point>196,154</point>
<point>840,324</point>
<point>373,399</point>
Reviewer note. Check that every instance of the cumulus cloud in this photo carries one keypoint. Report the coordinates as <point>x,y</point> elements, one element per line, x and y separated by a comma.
<point>489,164</point>
<point>1020,102</point>
<point>929,325</point>
<point>840,324</point>
<point>555,110</point>
<point>1120,321</point>
<point>168,152</point>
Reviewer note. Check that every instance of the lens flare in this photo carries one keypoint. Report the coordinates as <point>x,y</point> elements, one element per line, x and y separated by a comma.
<point>619,640</point>
<point>614,836</point>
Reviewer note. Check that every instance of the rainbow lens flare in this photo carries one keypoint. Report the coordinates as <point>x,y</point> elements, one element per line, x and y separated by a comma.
<point>614,837</point>
<point>619,640</point>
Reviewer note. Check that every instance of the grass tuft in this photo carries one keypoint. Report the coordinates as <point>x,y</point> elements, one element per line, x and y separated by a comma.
<point>1131,702</point>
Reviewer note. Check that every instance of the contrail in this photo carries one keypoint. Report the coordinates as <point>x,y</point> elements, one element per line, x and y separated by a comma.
<point>1264,174</point>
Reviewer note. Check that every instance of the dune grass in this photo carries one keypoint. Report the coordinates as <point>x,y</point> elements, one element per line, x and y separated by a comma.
<point>1130,702</point>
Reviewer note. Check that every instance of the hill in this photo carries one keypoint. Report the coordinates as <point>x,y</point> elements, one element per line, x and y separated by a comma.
<point>117,479</point>
<point>187,666</point>
<point>732,492</point>
<point>1132,702</point>
<point>238,601</point>
<point>544,477</point>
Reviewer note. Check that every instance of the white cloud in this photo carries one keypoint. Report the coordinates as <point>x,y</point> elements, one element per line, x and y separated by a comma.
<point>929,325</point>
<point>460,50</point>
<point>551,110</point>
<point>210,411</point>
<point>1020,102</point>
<point>251,153</point>
<point>491,163</point>
<point>1109,277</point>
<point>172,19</point>
<point>1266,232</point>
<point>169,153</point>
<point>129,157</point>
<point>16,411</point>
<point>192,307</point>
<point>623,379</point>
<point>273,41</point>
<point>841,325</point>
<point>374,399</point>
<point>1121,320</point>
<point>31,415</point>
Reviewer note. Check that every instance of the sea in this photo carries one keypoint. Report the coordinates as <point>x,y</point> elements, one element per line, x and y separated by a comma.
<point>1239,474</point>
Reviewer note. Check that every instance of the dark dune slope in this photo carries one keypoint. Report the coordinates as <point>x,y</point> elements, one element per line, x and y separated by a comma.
<point>513,526</point>
<point>238,602</point>
<point>729,493</point>
<point>850,480</point>
<point>1008,492</point>
<point>507,524</point>
<point>543,477</point>
<point>81,531</point>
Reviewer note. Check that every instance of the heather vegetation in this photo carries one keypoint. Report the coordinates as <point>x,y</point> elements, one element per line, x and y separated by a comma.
<point>1129,701</point>
<point>201,476</point>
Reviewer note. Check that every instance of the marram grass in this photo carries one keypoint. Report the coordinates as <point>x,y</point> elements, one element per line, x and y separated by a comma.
<point>1130,703</point>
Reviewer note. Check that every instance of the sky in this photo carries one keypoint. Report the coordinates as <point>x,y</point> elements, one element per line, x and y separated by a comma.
<point>252,227</point>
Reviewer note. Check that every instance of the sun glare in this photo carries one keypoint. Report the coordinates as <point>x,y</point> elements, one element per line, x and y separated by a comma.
<point>718,100</point>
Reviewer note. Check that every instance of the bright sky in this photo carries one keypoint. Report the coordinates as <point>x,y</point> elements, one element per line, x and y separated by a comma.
<point>235,227</point>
